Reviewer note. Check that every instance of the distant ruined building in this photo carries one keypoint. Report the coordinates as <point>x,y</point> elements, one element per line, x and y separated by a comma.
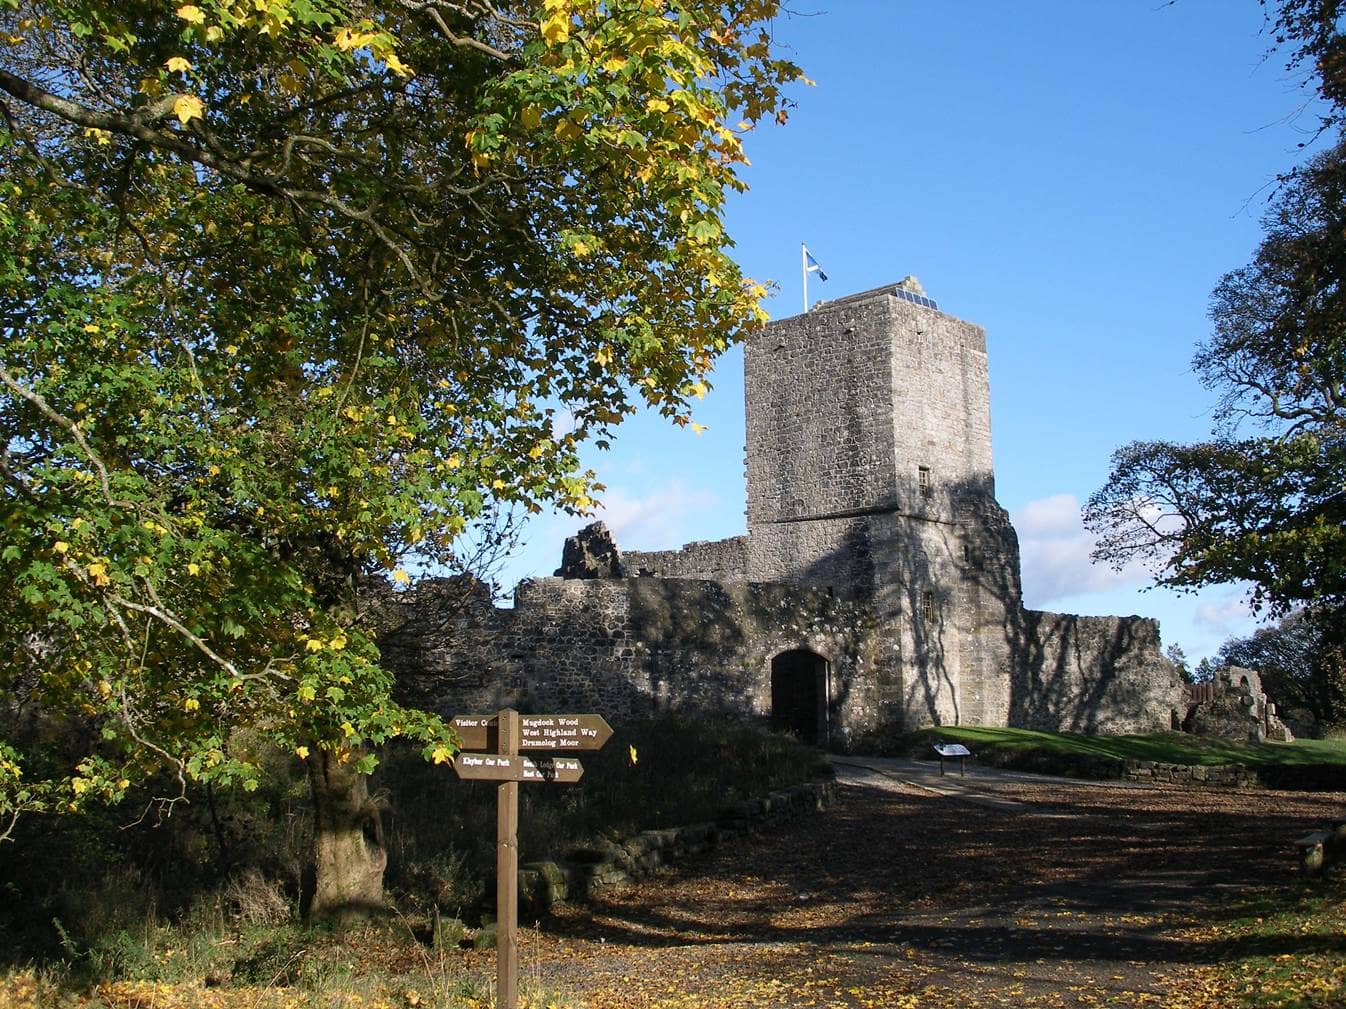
<point>877,589</point>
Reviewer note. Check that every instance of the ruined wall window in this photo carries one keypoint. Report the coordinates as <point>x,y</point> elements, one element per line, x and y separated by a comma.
<point>928,606</point>
<point>923,481</point>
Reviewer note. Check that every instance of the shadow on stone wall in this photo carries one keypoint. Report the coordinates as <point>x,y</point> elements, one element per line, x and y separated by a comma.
<point>1067,673</point>
<point>920,621</point>
<point>623,647</point>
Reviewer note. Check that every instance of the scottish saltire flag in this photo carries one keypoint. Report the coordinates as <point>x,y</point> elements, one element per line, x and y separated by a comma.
<point>812,265</point>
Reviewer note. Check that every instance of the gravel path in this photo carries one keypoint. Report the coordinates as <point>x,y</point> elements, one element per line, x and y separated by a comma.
<point>919,890</point>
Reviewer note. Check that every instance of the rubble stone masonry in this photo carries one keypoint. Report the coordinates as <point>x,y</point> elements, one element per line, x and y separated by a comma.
<point>878,581</point>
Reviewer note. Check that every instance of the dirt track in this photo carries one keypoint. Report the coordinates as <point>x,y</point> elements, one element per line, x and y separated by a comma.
<point>1008,891</point>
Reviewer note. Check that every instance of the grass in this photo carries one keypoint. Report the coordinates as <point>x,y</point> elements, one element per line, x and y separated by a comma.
<point>1277,954</point>
<point>1165,747</point>
<point>379,966</point>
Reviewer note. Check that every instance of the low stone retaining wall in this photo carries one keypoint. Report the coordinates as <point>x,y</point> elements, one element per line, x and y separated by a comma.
<point>1194,775</point>
<point>586,871</point>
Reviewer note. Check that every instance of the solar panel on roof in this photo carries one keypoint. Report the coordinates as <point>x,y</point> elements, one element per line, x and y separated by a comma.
<point>915,299</point>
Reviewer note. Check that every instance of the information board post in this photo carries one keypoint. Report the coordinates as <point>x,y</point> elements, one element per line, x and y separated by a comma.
<point>507,872</point>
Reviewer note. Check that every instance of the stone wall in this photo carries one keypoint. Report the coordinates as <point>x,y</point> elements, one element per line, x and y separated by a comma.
<point>1235,706</point>
<point>625,647</point>
<point>1093,675</point>
<point>714,560</point>
<point>819,415</point>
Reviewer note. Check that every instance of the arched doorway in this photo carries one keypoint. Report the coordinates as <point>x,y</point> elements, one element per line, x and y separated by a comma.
<point>799,695</point>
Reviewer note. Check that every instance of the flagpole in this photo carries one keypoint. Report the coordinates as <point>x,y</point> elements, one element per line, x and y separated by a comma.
<point>804,271</point>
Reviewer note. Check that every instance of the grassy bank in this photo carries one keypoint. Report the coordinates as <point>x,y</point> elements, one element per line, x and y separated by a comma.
<point>1317,763</point>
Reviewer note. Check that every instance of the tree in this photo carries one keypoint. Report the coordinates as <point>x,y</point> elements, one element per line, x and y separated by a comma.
<point>291,293</point>
<point>1311,28</point>
<point>1301,664</point>
<point>1175,654</point>
<point>1268,507</point>
<point>1264,501</point>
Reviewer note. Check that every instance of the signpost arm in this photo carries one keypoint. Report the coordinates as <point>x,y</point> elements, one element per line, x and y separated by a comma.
<point>507,873</point>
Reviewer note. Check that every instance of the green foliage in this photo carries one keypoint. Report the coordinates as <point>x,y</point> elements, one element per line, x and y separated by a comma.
<point>292,295</point>
<point>1266,508</point>
<point>1301,664</point>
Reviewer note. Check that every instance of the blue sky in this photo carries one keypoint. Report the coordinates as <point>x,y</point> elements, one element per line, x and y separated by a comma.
<point>1074,176</point>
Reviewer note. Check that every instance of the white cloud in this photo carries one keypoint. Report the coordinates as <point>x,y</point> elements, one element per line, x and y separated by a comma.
<point>1226,614</point>
<point>562,423</point>
<point>1055,548</point>
<point>658,520</point>
<point>664,518</point>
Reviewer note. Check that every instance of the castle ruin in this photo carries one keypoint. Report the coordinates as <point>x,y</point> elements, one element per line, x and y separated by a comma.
<point>877,589</point>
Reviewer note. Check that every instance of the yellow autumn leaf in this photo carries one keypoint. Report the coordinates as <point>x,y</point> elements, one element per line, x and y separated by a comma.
<point>301,752</point>
<point>401,577</point>
<point>193,568</point>
<point>191,704</point>
<point>214,33</point>
<point>314,644</point>
<point>441,754</point>
<point>347,39</point>
<point>397,66</point>
<point>634,756</point>
<point>531,117</point>
<point>698,428</point>
<point>556,29</point>
<point>187,108</point>
<point>61,546</point>
<point>192,14</point>
<point>337,643</point>
<point>178,65</point>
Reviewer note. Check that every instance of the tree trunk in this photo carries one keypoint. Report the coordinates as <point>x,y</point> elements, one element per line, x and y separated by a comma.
<point>348,852</point>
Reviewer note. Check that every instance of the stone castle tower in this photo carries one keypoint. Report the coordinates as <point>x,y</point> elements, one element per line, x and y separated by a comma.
<point>877,588</point>
<point>870,472</point>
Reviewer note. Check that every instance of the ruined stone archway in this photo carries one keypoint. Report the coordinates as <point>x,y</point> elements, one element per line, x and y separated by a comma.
<point>799,695</point>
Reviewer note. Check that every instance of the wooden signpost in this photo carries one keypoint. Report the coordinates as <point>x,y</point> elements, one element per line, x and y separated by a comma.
<point>508,732</point>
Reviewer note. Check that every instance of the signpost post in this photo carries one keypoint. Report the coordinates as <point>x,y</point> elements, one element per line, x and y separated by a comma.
<point>507,872</point>
<point>508,732</point>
